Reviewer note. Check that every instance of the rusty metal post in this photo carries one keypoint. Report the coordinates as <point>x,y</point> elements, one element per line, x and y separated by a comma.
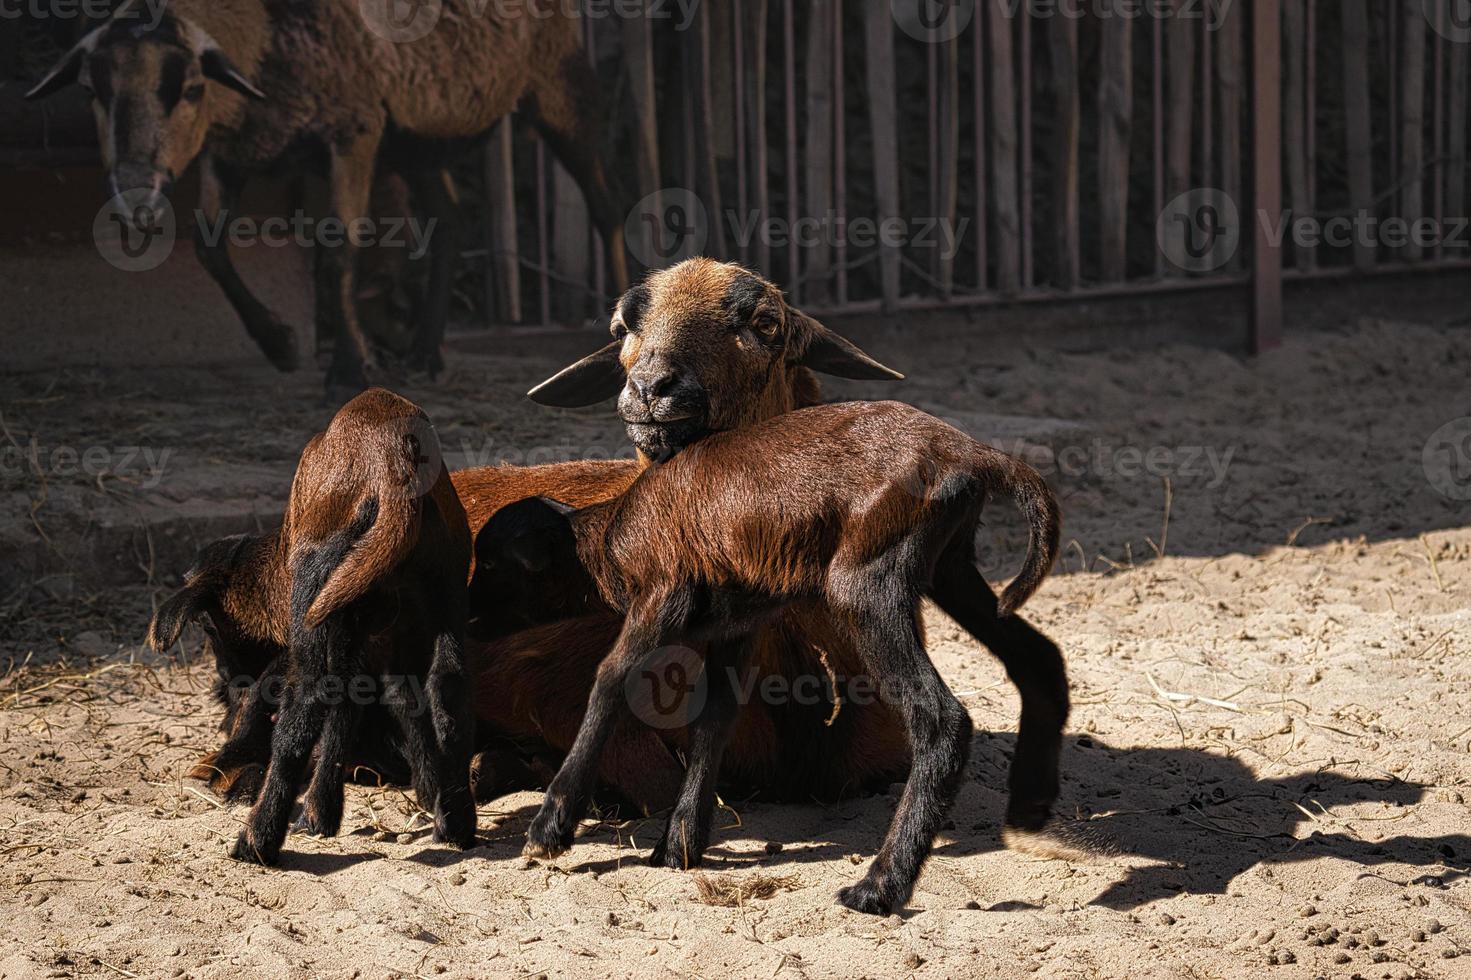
<point>1266,178</point>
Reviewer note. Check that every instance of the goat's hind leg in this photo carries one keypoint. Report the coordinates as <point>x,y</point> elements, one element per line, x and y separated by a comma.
<point>324,794</point>
<point>889,641</point>
<point>454,732</point>
<point>1034,664</point>
<point>687,832</point>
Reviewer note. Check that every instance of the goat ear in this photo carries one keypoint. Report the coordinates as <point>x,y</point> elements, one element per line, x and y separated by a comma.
<point>178,611</point>
<point>67,67</point>
<point>216,66</point>
<point>833,354</point>
<point>595,378</point>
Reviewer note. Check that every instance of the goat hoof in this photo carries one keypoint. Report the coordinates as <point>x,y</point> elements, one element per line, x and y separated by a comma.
<point>866,897</point>
<point>664,856</point>
<point>456,831</point>
<point>545,852</point>
<point>1028,815</point>
<point>250,853</point>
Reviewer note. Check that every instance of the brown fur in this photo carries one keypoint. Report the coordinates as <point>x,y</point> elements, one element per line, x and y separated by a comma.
<point>318,78</point>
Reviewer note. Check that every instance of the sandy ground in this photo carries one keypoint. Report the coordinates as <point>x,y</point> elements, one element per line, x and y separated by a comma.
<point>1269,658</point>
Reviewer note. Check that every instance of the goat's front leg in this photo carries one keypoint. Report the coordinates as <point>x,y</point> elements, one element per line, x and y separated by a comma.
<point>302,715</point>
<point>687,833</point>
<point>566,802</point>
<point>219,190</point>
<point>352,184</point>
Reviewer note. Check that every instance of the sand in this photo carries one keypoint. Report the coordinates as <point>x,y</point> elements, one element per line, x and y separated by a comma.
<point>1268,654</point>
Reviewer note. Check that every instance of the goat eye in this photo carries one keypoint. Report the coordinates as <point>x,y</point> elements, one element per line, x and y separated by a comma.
<point>194,92</point>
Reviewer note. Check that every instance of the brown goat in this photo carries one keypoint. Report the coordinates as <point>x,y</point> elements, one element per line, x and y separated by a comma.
<point>866,506</point>
<point>249,86</point>
<point>369,568</point>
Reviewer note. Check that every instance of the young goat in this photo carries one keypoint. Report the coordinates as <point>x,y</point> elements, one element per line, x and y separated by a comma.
<point>372,559</point>
<point>862,506</point>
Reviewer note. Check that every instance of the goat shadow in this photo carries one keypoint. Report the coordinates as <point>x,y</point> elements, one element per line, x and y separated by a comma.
<point>1202,819</point>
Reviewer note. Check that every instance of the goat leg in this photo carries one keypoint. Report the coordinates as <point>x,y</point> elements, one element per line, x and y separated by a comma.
<point>436,193</point>
<point>939,729</point>
<point>454,729</point>
<point>687,833</point>
<point>219,190</point>
<point>352,184</point>
<point>567,798</point>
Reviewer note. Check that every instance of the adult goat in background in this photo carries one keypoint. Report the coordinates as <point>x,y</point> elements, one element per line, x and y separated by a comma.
<point>250,86</point>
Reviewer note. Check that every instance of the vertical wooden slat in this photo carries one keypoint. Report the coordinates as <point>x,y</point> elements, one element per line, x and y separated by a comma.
<point>543,280</point>
<point>742,97</point>
<point>1157,120</point>
<point>1455,166</point>
<point>638,53</point>
<point>978,124</point>
<point>705,111</point>
<point>1028,162</point>
<point>599,257</point>
<point>818,155</point>
<point>932,127</point>
<point>1412,122</point>
<point>1294,118</point>
<point>1181,38</point>
<point>503,280</point>
<point>1312,102</point>
<point>790,162</point>
<point>884,121</point>
<point>1358,122</point>
<point>759,188</point>
<point>1006,197</point>
<point>1062,36</point>
<point>571,252</point>
<point>1266,153</point>
<point>1207,103</point>
<point>1392,16</point>
<point>947,177</point>
<point>1115,136</point>
<point>1437,174</point>
<point>840,156</point>
<point>1232,73</point>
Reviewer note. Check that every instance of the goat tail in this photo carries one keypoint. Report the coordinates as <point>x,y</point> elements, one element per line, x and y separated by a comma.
<point>385,531</point>
<point>1035,499</point>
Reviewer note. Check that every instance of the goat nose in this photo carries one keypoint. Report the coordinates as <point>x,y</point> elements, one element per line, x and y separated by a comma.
<point>652,384</point>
